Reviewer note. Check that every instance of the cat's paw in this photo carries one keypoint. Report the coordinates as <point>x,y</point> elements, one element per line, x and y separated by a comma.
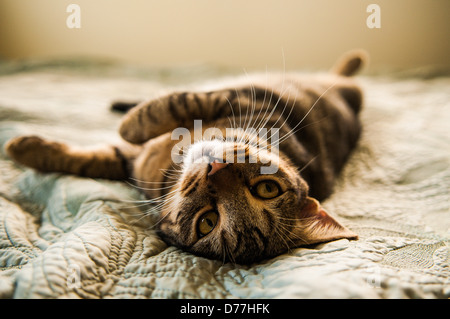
<point>30,150</point>
<point>22,144</point>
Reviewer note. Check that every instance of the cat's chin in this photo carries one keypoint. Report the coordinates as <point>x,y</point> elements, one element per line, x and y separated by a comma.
<point>204,152</point>
<point>218,151</point>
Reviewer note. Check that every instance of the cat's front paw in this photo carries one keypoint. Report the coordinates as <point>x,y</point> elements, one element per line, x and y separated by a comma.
<point>30,150</point>
<point>22,144</point>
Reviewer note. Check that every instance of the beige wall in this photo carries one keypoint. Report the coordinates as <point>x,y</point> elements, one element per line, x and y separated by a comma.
<point>244,33</point>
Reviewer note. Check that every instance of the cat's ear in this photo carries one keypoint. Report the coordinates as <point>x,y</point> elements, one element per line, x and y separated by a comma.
<point>315,225</point>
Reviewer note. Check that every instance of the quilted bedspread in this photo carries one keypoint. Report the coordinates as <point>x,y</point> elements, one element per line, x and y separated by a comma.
<point>63,236</point>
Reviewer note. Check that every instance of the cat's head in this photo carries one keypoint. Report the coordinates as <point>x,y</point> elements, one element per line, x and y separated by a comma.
<point>232,211</point>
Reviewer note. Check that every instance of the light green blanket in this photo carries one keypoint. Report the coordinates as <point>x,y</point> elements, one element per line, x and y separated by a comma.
<point>69,237</point>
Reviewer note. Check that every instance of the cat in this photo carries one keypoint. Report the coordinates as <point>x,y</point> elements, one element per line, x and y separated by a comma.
<point>224,206</point>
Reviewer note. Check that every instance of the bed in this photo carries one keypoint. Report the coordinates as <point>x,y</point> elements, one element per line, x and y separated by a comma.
<point>63,236</point>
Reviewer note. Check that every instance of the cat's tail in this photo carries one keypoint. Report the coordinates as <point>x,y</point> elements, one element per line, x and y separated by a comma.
<point>123,106</point>
<point>351,62</point>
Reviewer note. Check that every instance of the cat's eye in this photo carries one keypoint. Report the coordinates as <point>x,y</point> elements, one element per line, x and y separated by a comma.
<point>206,223</point>
<point>267,189</point>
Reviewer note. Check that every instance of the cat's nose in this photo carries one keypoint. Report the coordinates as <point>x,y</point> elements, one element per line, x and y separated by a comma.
<point>215,167</point>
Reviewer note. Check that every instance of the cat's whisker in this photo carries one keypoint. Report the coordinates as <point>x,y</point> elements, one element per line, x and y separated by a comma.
<point>254,104</point>
<point>143,205</point>
<point>162,187</point>
<point>251,101</point>
<point>232,112</point>
<point>260,118</point>
<point>171,173</point>
<point>286,118</point>
<point>230,254</point>
<point>282,91</point>
<point>296,219</point>
<point>307,113</point>
<point>291,235</point>
<point>307,164</point>
<point>292,132</point>
<point>144,215</point>
<point>239,105</point>
<point>160,220</point>
<point>224,254</point>
<point>135,204</point>
<point>282,236</point>
<point>172,169</point>
<point>240,128</point>
<point>177,149</point>
<point>155,210</point>
<point>152,210</point>
<point>287,228</point>
<point>262,124</point>
<point>136,180</point>
<point>229,120</point>
<point>266,119</point>
<point>269,102</point>
<point>285,106</point>
<point>152,189</point>
<point>160,206</point>
<point>137,201</point>
<point>158,199</point>
<point>306,220</point>
<point>260,109</point>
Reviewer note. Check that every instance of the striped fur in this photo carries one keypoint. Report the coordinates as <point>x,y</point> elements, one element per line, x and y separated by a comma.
<point>317,118</point>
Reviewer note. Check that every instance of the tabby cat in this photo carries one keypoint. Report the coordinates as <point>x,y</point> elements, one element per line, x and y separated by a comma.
<point>224,206</point>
